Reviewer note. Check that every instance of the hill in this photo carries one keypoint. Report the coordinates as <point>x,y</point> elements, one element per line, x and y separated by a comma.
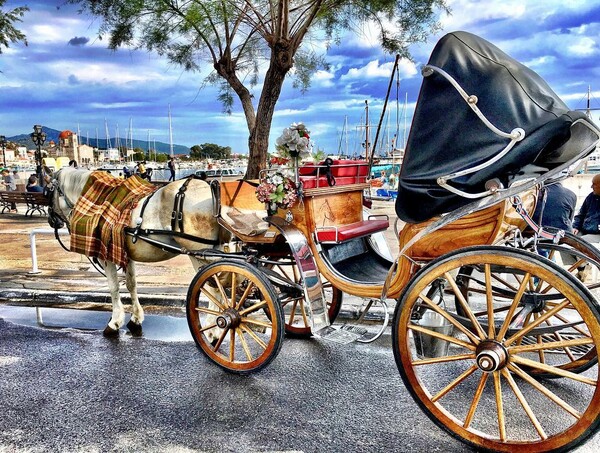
<point>52,135</point>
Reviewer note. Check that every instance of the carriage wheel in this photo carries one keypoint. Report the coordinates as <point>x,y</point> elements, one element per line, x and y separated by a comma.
<point>234,316</point>
<point>296,321</point>
<point>582,267</point>
<point>579,258</point>
<point>475,374</point>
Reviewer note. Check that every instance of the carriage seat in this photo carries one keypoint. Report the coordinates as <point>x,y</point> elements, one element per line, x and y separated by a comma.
<point>245,221</point>
<point>337,234</point>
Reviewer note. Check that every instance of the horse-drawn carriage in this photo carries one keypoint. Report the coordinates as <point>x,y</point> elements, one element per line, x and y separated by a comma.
<point>482,321</point>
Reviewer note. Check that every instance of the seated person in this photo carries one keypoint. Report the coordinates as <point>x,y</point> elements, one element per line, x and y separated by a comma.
<point>557,208</point>
<point>587,221</point>
<point>32,185</point>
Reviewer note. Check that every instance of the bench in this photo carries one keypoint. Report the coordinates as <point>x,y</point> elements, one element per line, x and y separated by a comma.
<point>35,201</point>
<point>341,233</point>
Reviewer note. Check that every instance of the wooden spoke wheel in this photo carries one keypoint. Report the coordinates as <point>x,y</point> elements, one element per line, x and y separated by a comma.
<point>576,256</point>
<point>476,371</point>
<point>296,320</point>
<point>234,316</point>
<point>582,260</point>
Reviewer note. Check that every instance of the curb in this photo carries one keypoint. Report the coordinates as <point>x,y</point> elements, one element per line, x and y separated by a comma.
<point>48,298</point>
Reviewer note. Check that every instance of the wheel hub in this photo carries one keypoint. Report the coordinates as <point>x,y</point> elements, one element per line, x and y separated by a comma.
<point>491,356</point>
<point>230,318</point>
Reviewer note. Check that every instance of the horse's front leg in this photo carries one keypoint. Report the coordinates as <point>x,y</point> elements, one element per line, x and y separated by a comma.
<point>137,312</point>
<point>118,312</point>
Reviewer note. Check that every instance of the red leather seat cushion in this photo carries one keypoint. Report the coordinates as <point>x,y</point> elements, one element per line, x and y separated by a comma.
<point>353,230</point>
<point>310,182</point>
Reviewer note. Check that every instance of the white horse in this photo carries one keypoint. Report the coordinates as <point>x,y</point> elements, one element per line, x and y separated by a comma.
<point>197,220</point>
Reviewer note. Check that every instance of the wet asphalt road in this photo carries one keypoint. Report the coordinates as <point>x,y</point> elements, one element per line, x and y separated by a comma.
<point>73,390</point>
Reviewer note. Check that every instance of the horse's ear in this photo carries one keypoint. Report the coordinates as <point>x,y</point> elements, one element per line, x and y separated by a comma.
<point>48,170</point>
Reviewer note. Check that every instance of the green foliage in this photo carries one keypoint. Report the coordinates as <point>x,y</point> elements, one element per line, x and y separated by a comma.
<point>210,151</point>
<point>8,32</point>
<point>139,154</point>
<point>318,155</point>
<point>239,39</point>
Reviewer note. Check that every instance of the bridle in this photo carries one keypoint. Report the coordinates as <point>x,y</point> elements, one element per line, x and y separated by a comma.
<point>56,216</point>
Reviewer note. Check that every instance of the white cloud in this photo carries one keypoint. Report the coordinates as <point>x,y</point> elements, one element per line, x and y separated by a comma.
<point>289,112</point>
<point>324,78</point>
<point>540,61</point>
<point>116,105</point>
<point>469,12</point>
<point>374,70</point>
<point>584,47</point>
<point>105,73</point>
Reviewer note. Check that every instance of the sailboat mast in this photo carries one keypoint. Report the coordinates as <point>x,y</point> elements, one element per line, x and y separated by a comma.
<point>588,110</point>
<point>397,107</point>
<point>366,129</point>
<point>108,144</point>
<point>404,113</point>
<point>130,136</point>
<point>170,134</point>
<point>346,131</point>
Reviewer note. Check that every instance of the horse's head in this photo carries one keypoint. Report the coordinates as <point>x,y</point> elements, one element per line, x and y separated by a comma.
<point>63,188</point>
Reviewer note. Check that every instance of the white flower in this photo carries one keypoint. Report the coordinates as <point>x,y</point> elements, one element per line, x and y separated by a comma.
<point>294,139</point>
<point>288,138</point>
<point>302,145</point>
<point>277,179</point>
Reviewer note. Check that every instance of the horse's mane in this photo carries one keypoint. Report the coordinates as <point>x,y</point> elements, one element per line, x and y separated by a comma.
<point>72,181</point>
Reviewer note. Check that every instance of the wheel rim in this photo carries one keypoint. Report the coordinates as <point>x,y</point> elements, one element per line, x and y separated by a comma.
<point>484,388</point>
<point>587,258</point>
<point>234,316</point>
<point>294,311</point>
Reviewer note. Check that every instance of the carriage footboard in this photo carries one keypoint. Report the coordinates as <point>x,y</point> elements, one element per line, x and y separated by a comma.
<point>355,261</point>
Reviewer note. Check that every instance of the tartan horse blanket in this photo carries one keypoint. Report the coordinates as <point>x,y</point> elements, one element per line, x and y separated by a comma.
<point>101,214</point>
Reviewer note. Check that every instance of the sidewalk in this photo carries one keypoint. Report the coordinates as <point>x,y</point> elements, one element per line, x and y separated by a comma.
<point>66,279</point>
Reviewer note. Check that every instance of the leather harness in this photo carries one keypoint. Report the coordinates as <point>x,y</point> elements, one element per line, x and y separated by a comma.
<point>176,223</point>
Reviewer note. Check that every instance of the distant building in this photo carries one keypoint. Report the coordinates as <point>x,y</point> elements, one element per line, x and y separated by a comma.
<point>86,155</point>
<point>9,155</point>
<point>68,146</point>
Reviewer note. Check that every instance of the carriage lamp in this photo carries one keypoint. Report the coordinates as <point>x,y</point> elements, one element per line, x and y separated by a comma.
<point>39,137</point>
<point>3,146</point>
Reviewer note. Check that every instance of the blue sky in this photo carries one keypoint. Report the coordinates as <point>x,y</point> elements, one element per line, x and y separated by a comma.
<point>66,78</point>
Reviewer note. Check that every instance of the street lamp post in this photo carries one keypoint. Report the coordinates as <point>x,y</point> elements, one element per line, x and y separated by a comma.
<point>3,145</point>
<point>39,137</point>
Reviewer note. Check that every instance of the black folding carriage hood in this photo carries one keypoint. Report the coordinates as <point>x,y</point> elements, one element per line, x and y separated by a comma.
<point>447,136</point>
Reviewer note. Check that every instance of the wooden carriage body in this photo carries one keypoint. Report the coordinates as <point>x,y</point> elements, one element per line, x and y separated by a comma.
<point>338,231</point>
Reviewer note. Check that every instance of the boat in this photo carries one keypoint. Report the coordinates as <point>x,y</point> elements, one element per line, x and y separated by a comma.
<point>222,174</point>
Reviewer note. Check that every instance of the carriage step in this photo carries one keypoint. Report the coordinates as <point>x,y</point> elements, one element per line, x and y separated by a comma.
<point>343,335</point>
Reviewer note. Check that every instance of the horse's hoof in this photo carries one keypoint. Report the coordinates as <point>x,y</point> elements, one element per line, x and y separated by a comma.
<point>109,332</point>
<point>134,328</point>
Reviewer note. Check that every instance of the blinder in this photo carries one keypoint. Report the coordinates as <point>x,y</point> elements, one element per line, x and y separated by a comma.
<point>54,219</point>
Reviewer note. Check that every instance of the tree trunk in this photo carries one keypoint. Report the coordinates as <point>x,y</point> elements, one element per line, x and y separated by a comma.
<point>258,141</point>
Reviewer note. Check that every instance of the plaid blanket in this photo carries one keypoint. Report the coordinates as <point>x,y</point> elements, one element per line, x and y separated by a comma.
<point>101,214</point>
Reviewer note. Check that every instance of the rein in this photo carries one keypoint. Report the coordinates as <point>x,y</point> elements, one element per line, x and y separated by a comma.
<point>55,219</point>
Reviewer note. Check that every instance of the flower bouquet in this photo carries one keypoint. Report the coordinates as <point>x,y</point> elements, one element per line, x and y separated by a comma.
<point>277,190</point>
<point>294,142</point>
